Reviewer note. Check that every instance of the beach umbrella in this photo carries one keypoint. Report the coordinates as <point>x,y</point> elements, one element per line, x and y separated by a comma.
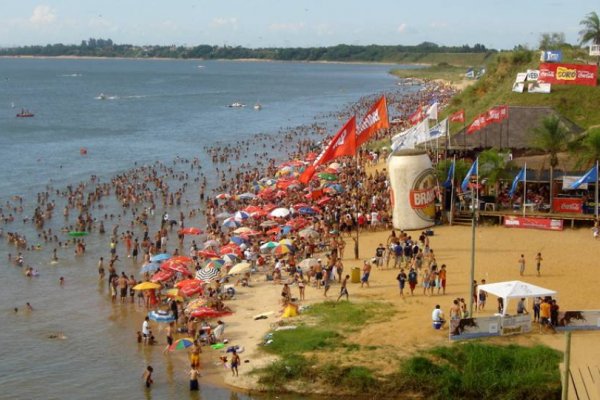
<point>280,212</point>
<point>230,223</point>
<point>211,243</point>
<point>191,290</point>
<point>269,246</point>
<point>259,214</point>
<point>251,232</point>
<point>282,250</point>
<point>323,200</point>
<point>230,258</point>
<point>237,240</point>
<point>187,282</point>
<point>335,166</point>
<point>193,304</point>
<point>251,208</point>
<point>181,268</point>
<point>326,176</point>
<point>297,223</point>
<point>216,263</point>
<point>246,196</point>
<point>268,224</point>
<point>190,231</point>
<point>208,254</point>
<point>160,257</point>
<point>223,196</point>
<point>150,267</point>
<point>309,233</point>
<point>147,286</point>
<point>223,215</point>
<point>307,211</point>
<point>161,316</point>
<point>241,216</point>
<point>207,274</point>
<point>181,260</point>
<point>239,268</point>
<point>308,263</point>
<point>181,344</point>
<point>243,229</point>
<point>173,294</point>
<point>207,312</point>
<point>161,276</point>
<point>77,233</point>
<point>231,248</point>
<point>287,242</point>
<point>275,230</point>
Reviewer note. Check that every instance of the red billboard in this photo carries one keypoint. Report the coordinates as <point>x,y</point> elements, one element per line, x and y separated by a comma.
<point>568,74</point>
<point>567,205</point>
<point>533,223</point>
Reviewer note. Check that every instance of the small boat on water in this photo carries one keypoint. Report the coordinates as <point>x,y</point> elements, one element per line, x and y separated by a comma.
<point>102,96</point>
<point>258,106</point>
<point>236,105</point>
<point>25,114</point>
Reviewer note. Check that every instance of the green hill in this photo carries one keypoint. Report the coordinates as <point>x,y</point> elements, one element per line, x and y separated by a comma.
<point>580,104</point>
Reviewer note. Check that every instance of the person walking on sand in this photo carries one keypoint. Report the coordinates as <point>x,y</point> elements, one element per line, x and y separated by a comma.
<point>401,278</point>
<point>366,272</point>
<point>235,362</point>
<point>344,289</point>
<point>538,263</point>
<point>412,280</point>
<point>522,265</point>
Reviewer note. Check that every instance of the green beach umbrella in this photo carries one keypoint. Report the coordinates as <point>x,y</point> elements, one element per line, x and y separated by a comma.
<point>327,176</point>
<point>77,233</point>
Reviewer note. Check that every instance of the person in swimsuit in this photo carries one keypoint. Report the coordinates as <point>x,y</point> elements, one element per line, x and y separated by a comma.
<point>170,330</point>
<point>194,387</point>
<point>147,376</point>
<point>195,355</point>
<point>235,361</point>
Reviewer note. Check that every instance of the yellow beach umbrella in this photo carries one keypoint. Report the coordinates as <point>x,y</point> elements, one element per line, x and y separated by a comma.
<point>147,286</point>
<point>239,268</point>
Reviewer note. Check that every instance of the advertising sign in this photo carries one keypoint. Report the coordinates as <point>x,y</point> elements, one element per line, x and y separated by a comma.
<point>521,77</point>
<point>515,325</point>
<point>532,74</point>
<point>518,87</point>
<point>569,74</point>
<point>551,56</point>
<point>538,87</point>
<point>567,205</point>
<point>595,50</point>
<point>513,221</point>
<point>578,320</point>
<point>568,180</point>
<point>472,328</point>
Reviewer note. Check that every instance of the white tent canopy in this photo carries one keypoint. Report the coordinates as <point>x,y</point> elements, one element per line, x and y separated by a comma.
<point>514,290</point>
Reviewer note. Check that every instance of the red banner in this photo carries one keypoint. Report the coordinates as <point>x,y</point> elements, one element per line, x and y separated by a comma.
<point>458,116</point>
<point>567,205</point>
<point>568,74</point>
<point>533,223</point>
<point>376,118</point>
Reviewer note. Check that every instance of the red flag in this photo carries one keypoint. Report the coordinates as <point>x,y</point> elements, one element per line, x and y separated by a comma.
<point>342,144</point>
<point>493,115</point>
<point>376,118</point>
<point>478,123</point>
<point>458,116</point>
<point>503,112</point>
<point>417,116</point>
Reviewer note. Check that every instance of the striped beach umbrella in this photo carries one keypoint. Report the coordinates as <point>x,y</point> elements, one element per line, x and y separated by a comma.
<point>207,274</point>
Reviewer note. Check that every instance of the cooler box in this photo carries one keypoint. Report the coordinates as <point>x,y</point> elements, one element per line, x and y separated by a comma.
<point>355,275</point>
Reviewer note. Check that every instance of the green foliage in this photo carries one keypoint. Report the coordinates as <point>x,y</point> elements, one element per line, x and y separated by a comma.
<point>551,137</point>
<point>493,165</point>
<point>591,29</point>
<point>552,40</point>
<point>358,378</point>
<point>349,315</point>
<point>460,170</point>
<point>481,371</point>
<point>587,150</point>
<point>301,340</point>
<point>288,368</point>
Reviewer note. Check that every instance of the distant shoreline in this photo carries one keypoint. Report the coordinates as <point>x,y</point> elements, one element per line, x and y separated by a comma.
<point>212,59</point>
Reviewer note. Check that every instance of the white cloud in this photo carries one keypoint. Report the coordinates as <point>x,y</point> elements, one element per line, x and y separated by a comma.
<point>224,22</point>
<point>401,28</point>
<point>438,25</point>
<point>287,27</point>
<point>42,15</point>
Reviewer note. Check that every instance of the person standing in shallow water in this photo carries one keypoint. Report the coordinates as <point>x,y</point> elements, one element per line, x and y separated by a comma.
<point>194,387</point>
<point>147,376</point>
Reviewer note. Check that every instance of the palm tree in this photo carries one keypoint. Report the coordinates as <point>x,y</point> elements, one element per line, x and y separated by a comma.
<point>591,30</point>
<point>494,166</point>
<point>551,137</point>
<point>589,149</point>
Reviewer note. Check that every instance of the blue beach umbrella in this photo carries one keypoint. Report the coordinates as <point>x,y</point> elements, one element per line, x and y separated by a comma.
<point>160,257</point>
<point>241,216</point>
<point>237,240</point>
<point>161,316</point>
<point>151,267</point>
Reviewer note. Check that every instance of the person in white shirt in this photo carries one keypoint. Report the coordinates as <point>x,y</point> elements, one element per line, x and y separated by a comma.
<point>146,330</point>
<point>438,315</point>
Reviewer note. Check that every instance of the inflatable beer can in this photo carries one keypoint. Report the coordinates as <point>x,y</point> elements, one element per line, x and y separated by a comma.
<point>413,182</point>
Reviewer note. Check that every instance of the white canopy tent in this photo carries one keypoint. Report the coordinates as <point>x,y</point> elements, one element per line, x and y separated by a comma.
<point>514,290</point>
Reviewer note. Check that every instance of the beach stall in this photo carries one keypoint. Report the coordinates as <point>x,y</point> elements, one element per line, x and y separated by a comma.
<point>514,290</point>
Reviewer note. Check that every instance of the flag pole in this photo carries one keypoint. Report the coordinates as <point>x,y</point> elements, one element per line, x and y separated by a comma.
<point>452,191</point>
<point>524,188</point>
<point>596,193</point>
<point>472,289</point>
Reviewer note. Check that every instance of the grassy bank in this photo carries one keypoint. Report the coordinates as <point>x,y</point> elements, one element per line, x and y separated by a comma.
<point>318,357</point>
<point>447,72</point>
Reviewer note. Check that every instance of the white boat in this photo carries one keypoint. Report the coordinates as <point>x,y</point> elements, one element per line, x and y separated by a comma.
<point>102,96</point>
<point>236,105</point>
<point>258,106</point>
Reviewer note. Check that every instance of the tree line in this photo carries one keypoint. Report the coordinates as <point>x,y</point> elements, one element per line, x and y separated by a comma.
<point>342,52</point>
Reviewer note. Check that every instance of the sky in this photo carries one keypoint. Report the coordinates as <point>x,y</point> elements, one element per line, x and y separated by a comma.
<point>499,24</point>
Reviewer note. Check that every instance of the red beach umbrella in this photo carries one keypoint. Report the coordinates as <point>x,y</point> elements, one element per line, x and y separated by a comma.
<point>162,276</point>
<point>190,231</point>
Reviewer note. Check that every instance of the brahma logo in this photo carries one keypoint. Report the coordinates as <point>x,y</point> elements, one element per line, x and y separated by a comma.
<point>566,74</point>
<point>422,195</point>
<point>512,222</point>
<point>369,121</point>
